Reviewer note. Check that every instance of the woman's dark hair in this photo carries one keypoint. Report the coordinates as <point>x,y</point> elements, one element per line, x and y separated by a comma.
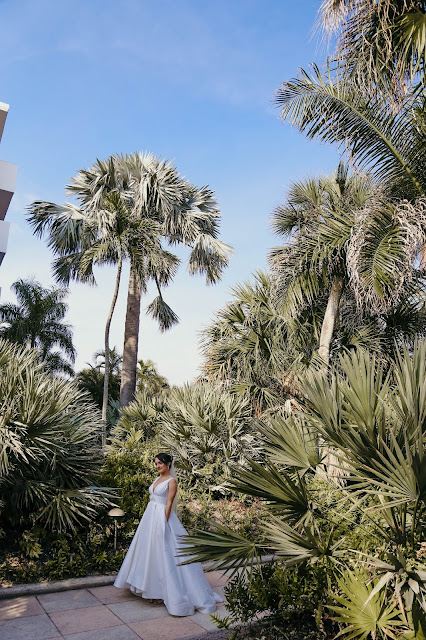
<point>165,458</point>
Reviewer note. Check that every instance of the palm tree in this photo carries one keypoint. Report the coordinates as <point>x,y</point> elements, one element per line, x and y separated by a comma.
<point>250,347</point>
<point>334,109</point>
<point>392,145</point>
<point>379,44</point>
<point>339,228</point>
<point>177,212</point>
<point>92,378</point>
<point>375,423</point>
<point>37,321</point>
<point>50,454</point>
<point>115,360</point>
<point>148,378</point>
<point>82,240</point>
<point>319,217</point>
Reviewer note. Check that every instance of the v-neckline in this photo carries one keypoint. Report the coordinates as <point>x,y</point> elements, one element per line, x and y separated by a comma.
<point>157,484</point>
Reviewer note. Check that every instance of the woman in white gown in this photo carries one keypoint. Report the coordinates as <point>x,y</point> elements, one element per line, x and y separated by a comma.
<point>150,568</point>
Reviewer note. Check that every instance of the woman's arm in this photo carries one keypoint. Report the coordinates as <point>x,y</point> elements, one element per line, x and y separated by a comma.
<point>171,496</point>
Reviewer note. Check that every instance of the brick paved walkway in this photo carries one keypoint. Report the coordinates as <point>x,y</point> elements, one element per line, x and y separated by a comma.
<point>100,613</point>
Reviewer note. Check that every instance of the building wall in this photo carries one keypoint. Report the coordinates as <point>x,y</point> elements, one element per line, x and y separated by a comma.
<point>8,173</point>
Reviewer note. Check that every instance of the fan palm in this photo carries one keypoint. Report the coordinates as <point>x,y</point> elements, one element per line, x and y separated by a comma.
<point>207,429</point>
<point>82,240</point>
<point>248,345</point>
<point>156,194</point>
<point>49,445</point>
<point>376,424</point>
<point>37,321</point>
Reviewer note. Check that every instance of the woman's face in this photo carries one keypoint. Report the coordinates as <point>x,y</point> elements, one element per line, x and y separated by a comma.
<point>160,466</point>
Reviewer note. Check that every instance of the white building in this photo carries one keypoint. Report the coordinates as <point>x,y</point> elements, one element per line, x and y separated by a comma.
<point>8,173</point>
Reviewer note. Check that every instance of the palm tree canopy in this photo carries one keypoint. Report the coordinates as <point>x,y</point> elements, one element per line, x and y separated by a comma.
<point>154,191</point>
<point>37,320</point>
<point>343,226</point>
<point>132,204</point>
<point>333,109</point>
<point>379,43</point>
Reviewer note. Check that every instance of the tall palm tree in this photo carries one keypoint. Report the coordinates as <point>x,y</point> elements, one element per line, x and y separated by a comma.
<point>37,321</point>
<point>82,239</point>
<point>319,217</point>
<point>179,212</point>
<point>333,224</point>
<point>392,145</point>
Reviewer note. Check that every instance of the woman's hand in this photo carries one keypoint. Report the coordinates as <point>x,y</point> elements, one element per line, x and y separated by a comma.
<point>171,496</point>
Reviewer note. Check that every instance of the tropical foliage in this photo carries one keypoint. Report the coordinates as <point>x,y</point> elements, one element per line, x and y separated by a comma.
<point>158,206</point>
<point>248,347</point>
<point>207,429</point>
<point>334,247</point>
<point>38,321</point>
<point>92,380</point>
<point>148,379</point>
<point>374,422</point>
<point>379,44</point>
<point>49,446</point>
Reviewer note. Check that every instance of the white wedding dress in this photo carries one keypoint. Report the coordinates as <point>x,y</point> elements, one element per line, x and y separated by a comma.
<point>150,568</point>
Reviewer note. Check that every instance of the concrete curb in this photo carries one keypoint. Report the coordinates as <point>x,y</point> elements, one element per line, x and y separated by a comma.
<point>76,583</point>
<point>52,587</point>
<point>221,634</point>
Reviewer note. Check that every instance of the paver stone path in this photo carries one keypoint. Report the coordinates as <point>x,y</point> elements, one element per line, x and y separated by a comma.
<point>100,613</point>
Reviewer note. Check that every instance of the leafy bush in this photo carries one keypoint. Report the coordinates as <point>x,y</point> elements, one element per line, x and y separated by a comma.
<point>205,428</point>
<point>278,596</point>
<point>130,472</point>
<point>44,555</point>
<point>49,446</point>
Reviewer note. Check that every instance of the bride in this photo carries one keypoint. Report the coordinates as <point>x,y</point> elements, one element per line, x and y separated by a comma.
<point>151,568</point>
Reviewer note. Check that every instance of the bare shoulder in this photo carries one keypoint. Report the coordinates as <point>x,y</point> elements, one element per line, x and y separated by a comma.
<point>173,482</point>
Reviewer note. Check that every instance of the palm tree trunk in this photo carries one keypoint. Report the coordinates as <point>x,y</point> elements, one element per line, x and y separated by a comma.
<point>131,339</point>
<point>107,362</point>
<point>330,317</point>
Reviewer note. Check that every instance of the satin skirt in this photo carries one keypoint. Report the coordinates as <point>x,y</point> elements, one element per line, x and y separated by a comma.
<point>150,568</point>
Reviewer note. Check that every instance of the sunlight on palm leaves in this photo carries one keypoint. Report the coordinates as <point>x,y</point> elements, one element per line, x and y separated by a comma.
<point>337,111</point>
<point>363,615</point>
<point>225,548</point>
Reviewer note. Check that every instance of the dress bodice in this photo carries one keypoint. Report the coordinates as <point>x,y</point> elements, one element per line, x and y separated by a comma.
<point>160,492</point>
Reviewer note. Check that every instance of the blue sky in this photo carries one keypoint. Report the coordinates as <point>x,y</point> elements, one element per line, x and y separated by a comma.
<point>189,80</point>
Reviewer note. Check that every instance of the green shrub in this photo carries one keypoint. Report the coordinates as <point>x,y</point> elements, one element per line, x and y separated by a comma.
<point>283,599</point>
<point>130,472</point>
<point>50,452</point>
